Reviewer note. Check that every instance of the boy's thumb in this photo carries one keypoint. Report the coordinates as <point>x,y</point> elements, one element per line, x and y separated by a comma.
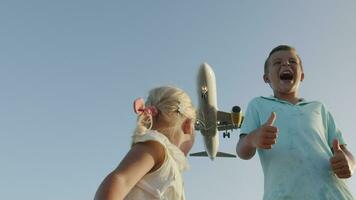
<point>336,145</point>
<point>271,119</point>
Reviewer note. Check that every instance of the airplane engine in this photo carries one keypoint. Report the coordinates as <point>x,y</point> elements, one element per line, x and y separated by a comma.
<point>237,116</point>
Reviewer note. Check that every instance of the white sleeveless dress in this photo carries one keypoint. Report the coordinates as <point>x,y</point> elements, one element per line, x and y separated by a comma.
<point>165,183</point>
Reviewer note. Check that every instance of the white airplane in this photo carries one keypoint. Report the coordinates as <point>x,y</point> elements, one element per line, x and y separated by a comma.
<point>210,121</point>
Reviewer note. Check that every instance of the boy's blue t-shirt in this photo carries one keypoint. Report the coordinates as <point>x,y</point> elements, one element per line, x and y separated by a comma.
<point>297,166</point>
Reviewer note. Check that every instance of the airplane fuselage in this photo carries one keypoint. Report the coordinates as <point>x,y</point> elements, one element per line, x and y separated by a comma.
<point>207,111</point>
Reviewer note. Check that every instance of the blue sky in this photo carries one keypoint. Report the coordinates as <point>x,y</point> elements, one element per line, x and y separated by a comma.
<point>69,71</point>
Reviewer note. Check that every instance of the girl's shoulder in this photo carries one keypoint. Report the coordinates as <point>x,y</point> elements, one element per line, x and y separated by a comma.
<point>171,150</point>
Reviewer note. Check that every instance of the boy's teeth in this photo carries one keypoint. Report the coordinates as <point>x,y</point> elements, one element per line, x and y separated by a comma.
<point>286,75</point>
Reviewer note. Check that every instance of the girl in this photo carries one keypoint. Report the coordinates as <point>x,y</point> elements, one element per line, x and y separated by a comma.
<point>161,141</point>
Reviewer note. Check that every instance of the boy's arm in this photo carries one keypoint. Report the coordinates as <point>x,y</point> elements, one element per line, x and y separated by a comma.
<point>244,149</point>
<point>263,137</point>
<point>342,162</point>
<point>140,160</point>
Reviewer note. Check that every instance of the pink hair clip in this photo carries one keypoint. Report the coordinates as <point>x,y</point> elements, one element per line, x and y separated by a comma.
<point>139,108</point>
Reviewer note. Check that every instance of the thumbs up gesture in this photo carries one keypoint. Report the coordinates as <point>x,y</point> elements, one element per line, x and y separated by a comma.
<point>340,163</point>
<point>265,136</point>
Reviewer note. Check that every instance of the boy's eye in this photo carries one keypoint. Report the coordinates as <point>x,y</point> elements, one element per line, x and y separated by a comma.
<point>293,61</point>
<point>277,63</point>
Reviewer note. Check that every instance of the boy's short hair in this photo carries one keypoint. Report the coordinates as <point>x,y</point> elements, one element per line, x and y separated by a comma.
<point>280,48</point>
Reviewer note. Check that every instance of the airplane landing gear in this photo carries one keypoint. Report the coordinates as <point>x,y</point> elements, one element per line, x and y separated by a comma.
<point>226,134</point>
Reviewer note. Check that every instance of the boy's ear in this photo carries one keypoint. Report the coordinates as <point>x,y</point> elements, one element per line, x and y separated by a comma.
<point>266,79</point>
<point>302,77</point>
<point>187,126</point>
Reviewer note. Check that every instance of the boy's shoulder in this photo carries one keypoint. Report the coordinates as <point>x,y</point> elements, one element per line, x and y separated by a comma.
<point>263,100</point>
<point>260,98</point>
<point>260,102</point>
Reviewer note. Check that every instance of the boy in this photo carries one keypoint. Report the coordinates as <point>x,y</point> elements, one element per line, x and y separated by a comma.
<point>302,152</point>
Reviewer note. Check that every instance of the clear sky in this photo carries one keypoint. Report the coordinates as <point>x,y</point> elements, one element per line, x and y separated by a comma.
<point>70,70</point>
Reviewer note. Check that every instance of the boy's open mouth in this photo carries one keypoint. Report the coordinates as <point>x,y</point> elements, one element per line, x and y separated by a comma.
<point>286,75</point>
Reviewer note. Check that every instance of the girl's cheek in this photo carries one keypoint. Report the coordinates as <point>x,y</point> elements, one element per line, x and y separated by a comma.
<point>187,145</point>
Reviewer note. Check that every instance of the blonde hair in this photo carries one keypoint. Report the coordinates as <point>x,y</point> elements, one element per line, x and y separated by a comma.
<point>173,105</point>
<point>281,48</point>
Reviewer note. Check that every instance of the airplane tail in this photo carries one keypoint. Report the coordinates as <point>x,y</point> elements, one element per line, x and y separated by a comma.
<point>222,154</point>
<point>219,154</point>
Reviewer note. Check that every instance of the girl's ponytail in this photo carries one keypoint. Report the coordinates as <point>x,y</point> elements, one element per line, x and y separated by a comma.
<point>145,116</point>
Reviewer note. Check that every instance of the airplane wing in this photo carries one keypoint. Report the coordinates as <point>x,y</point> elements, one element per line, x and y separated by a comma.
<point>219,154</point>
<point>231,120</point>
<point>224,121</point>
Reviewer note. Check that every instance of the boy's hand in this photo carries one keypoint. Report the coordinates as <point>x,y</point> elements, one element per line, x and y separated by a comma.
<point>340,163</point>
<point>265,136</point>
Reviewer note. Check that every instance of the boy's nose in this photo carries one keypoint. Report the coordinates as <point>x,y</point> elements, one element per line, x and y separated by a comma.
<point>285,63</point>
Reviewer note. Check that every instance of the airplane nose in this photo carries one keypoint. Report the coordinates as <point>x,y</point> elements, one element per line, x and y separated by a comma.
<point>205,68</point>
<point>205,65</point>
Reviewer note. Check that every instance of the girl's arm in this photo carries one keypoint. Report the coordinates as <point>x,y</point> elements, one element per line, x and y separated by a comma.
<point>140,160</point>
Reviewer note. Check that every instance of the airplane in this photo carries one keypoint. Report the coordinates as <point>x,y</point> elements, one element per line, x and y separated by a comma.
<point>210,120</point>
